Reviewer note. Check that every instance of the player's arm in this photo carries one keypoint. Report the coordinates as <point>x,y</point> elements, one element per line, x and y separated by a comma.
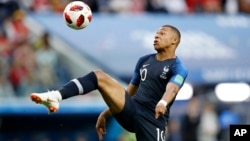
<point>169,95</point>
<point>132,89</point>
<point>171,91</point>
<point>172,88</point>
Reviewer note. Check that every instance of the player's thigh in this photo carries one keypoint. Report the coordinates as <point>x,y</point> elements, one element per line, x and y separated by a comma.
<point>112,91</point>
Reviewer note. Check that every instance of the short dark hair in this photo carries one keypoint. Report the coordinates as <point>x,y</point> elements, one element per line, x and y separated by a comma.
<point>176,30</point>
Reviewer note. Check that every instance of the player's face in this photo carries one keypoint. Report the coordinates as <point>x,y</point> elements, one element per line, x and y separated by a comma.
<point>163,38</point>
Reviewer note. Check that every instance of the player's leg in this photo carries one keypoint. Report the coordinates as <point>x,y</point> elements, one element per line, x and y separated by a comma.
<point>112,92</point>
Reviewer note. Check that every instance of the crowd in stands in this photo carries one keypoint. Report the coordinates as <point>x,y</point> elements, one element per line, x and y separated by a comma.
<point>27,64</point>
<point>141,6</point>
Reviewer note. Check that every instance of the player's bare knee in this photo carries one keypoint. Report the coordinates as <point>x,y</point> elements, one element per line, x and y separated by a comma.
<point>101,75</point>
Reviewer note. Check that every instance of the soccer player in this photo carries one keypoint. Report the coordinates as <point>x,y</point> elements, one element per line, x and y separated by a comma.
<point>143,108</point>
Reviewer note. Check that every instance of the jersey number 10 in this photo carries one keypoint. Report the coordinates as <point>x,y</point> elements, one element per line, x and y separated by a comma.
<point>160,135</point>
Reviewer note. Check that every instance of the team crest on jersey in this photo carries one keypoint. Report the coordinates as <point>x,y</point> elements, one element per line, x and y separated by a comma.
<point>164,72</point>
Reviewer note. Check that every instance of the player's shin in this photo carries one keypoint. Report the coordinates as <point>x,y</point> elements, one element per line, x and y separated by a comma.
<point>81,85</point>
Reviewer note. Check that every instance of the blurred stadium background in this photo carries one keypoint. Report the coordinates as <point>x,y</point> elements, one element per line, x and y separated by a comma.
<point>39,52</point>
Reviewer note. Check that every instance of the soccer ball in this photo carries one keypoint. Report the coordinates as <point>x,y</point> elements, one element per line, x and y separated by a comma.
<point>77,15</point>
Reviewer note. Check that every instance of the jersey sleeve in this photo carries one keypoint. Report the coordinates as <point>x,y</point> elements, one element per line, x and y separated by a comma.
<point>179,75</point>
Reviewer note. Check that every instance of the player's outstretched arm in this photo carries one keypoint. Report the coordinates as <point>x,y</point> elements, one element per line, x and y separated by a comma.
<point>169,95</point>
<point>101,123</point>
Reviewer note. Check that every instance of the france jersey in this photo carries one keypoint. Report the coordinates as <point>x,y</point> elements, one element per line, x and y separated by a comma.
<point>152,76</point>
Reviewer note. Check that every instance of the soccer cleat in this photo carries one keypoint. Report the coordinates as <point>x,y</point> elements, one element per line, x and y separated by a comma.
<point>48,99</point>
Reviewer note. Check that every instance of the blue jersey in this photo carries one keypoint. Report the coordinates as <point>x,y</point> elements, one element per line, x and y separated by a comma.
<point>152,76</point>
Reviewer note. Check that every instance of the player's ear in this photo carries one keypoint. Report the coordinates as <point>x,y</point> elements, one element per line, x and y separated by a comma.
<point>174,41</point>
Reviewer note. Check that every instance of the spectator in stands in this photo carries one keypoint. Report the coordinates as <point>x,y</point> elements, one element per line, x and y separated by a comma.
<point>191,121</point>
<point>209,124</point>
<point>7,7</point>
<point>93,4</point>
<point>118,6</point>
<point>138,6</point>
<point>22,70</point>
<point>244,6</point>
<point>103,6</point>
<point>5,47</point>
<point>45,6</point>
<point>204,6</point>
<point>212,6</point>
<point>230,6</point>
<point>174,130</point>
<point>5,87</point>
<point>57,6</point>
<point>156,6</point>
<point>16,30</point>
<point>40,6</point>
<point>47,61</point>
<point>194,6</point>
<point>175,6</point>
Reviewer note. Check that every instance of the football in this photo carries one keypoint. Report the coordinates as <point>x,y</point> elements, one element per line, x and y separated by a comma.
<point>77,15</point>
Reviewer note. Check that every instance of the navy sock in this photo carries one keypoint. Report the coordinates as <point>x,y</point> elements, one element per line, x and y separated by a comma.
<point>81,85</point>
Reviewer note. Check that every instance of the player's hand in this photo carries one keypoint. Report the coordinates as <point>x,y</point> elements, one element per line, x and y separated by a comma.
<point>160,110</point>
<point>101,126</point>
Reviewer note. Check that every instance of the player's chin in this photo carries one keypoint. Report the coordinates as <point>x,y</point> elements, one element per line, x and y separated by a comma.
<point>156,47</point>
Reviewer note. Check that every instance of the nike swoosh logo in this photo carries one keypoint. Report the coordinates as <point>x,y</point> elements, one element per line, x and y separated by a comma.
<point>145,65</point>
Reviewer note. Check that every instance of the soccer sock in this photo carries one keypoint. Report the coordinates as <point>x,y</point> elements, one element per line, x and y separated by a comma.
<point>81,85</point>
